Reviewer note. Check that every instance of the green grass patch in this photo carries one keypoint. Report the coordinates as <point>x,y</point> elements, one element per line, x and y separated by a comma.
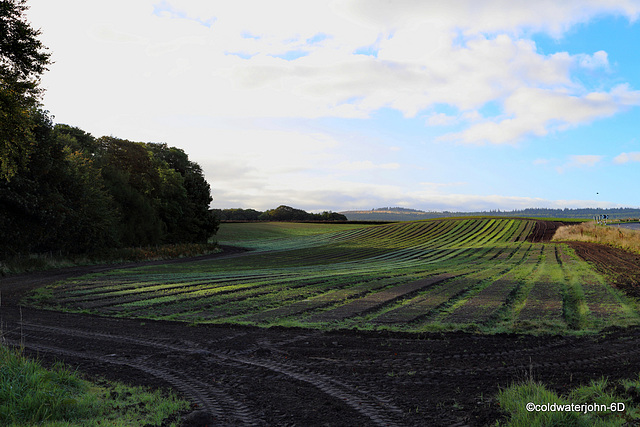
<point>600,403</point>
<point>31,395</point>
<point>237,232</point>
<point>48,261</point>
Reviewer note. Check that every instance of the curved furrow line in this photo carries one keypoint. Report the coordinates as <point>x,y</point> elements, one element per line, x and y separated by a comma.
<point>526,366</point>
<point>203,296</point>
<point>369,405</point>
<point>111,337</point>
<point>175,287</point>
<point>481,368</point>
<point>240,411</point>
<point>274,346</point>
<point>194,389</point>
<point>196,394</point>
<point>378,409</point>
<point>419,358</point>
<point>216,402</point>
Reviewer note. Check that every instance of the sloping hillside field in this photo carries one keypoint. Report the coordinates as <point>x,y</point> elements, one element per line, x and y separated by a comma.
<point>481,274</point>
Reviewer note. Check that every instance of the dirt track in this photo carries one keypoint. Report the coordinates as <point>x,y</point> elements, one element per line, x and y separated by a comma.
<point>251,376</point>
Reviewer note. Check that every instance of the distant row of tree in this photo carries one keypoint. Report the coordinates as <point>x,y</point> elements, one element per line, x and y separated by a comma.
<point>281,213</point>
<point>403,214</point>
<point>575,213</point>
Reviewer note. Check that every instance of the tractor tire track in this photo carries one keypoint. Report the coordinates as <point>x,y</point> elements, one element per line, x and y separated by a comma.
<point>216,401</point>
<point>244,376</point>
<point>379,410</point>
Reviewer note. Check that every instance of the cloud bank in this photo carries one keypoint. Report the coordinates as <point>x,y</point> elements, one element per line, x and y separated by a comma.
<point>229,75</point>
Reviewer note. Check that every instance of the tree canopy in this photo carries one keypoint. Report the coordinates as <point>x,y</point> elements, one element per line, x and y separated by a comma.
<point>85,194</point>
<point>23,59</point>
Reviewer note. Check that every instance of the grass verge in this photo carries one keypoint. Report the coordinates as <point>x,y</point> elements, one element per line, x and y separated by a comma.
<point>622,238</point>
<point>49,261</point>
<point>600,403</point>
<point>32,395</point>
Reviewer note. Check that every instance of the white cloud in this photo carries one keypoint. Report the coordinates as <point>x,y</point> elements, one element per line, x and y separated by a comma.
<point>541,162</point>
<point>627,157</point>
<point>441,119</point>
<point>588,160</point>
<point>580,161</point>
<point>535,111</point>
<point>436,186</point>
<point>493,16</point>
<point>362,165</point>
<point>475,202</point>
<point>189,50</point>
<point>135,69</point>
<point>342,84</point>
<point>600,59</point>
<point>324,194</point>
<point>272,152</point>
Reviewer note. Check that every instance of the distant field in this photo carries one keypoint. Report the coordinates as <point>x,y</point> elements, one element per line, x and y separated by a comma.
<point>478,274</point>
<point>256,234</point>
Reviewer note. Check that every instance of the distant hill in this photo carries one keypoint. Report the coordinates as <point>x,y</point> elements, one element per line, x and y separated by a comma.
<point>404,214</point>
<point>392,214</point>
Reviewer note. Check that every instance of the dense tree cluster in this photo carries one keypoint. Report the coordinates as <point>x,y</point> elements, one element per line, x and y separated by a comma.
<point>23,59</point>
<point>61,189</point>
<point>237,214</point>
<point>281,213</point>
<point>82,194</point>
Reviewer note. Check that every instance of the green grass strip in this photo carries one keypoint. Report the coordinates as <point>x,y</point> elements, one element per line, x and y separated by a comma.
<point>31,395</point>
<point>575,409</point>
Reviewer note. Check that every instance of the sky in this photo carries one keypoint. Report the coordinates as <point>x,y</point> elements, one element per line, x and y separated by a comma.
<point>461,105</point>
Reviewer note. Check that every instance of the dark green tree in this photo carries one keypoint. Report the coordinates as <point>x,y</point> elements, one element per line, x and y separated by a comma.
<point>193,221</point>
<point>237,214</point>
<point>76,139</point>
<point>287,213</point>
<point>331,216</point>
<point>58,203</point>
<point>134,182</point>
<point>23,59</point>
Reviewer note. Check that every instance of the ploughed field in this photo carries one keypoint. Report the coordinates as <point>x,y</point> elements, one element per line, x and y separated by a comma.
<point>353,288</point>
<point>479,274</point>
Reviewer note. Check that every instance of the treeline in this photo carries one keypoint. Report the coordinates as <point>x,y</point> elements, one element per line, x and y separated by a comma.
<point>403,214</point>
<point>281,213</point>
<point>83,194</point>
<point>577,213</point>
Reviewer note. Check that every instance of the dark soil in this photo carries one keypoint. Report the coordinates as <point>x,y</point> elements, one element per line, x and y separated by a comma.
<point>621,267</point>
<point>543,231</point>
<point>294,377</point>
